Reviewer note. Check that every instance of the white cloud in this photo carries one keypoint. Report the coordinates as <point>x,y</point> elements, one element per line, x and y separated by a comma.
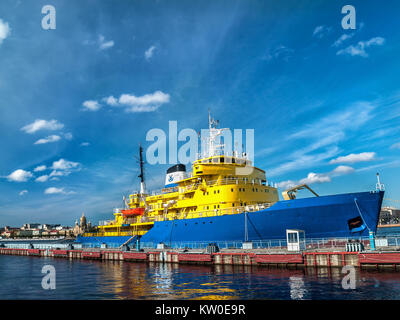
<point>19,176</point>
<point>335,124</point>
<point>84,144</point>
<point>324,134</point>
<point>40,168</point>
<point>355,157</point>
<point>68,136</point>
<point>286,184</point>
<point>40,124</point>
<point>58,173</point>
<point>342,38</point>
<point>49,139</point>
<point>280,52</point>
<point>63,164</point>
<point>103,45</point>
<point>157,97</point>
<point>91,105</point>
<point>64,167</point>
<point>395,146</point>
<point>43,178</point>
<point>340,170</point>
<point>321,31</point>
<point>111,100</point>
<point>5,30</point>
<point>313,177</point>
<point>23,192</point>
<point>53,190</point>
<point>149,53</point>
<point>146,103</point>
<point>303,160</point>
<point>359,48</point>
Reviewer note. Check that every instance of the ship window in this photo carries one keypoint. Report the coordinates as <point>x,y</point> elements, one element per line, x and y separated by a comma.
<point>214,206</point>
<point>207,192</point>
<point>231,189</point>
<point>207,207</point>
<point>222,160</point>
<point>253,189</point>
<point>215,160</point>
<point>240,189</point>
<point>244,189</point>
<point>233,204</point>
<point>256,190</point>
<point>214,191</point>
<point>218,191</point>
<point>218,206</point>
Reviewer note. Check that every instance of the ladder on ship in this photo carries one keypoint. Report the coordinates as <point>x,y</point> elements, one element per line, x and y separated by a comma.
<point>128,241</point>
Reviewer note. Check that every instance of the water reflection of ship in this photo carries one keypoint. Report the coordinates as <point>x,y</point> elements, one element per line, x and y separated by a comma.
<point>173,281</point>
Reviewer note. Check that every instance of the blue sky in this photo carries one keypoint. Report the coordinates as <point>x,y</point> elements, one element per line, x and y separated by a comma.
<point>76,101</point>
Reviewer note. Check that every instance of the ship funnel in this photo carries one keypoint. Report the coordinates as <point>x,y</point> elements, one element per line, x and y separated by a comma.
<point>175,174</point>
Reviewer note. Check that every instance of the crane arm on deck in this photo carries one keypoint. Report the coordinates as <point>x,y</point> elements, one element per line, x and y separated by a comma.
<point>290,194</point>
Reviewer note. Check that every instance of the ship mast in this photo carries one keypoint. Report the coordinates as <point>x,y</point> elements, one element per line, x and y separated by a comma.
<point>213,145</point>
<point>141,175</point>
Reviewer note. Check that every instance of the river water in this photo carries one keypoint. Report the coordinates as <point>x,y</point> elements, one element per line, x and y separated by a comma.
<point>21,278</point>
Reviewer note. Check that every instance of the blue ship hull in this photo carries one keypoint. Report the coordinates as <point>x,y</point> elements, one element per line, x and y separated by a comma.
<point>342,215</point>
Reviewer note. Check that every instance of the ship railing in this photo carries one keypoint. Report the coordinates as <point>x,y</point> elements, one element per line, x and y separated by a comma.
<point>233,180</point>
<point>105,222</point>
<point>207,213</point>
<point>212,183</point>
<point>338,243</point>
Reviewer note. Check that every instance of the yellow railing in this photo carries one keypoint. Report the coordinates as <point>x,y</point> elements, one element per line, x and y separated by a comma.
<point>211,183</point>
<point>206,213</point>
<point>180,216</point>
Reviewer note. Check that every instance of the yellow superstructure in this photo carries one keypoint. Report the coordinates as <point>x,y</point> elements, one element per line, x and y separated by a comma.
<point>216,186</point>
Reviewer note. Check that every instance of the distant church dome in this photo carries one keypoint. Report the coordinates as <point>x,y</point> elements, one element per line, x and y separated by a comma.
<point>83,220</point>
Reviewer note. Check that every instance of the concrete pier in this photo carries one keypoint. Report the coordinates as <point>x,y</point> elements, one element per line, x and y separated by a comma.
<point>386,259</point>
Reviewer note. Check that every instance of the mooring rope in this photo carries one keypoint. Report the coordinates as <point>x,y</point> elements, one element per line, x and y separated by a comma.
<point>359,211</point>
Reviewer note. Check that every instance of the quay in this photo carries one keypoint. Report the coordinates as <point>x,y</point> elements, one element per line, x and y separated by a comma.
<point>258,257</point>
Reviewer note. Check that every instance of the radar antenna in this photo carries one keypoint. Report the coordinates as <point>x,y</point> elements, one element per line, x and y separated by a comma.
<point>141,175</point>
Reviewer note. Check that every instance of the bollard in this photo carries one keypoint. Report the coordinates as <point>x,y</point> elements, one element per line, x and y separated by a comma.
<point>372,240</point>
<point>138,244</point>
